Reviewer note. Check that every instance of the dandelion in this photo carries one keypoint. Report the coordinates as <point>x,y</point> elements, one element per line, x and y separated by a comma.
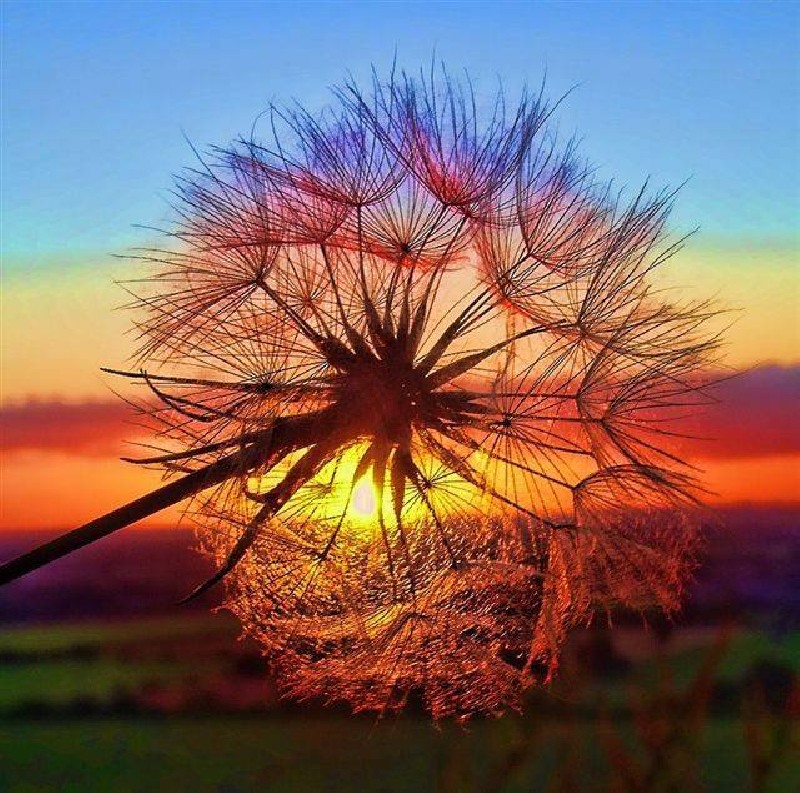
<point>407,366</point>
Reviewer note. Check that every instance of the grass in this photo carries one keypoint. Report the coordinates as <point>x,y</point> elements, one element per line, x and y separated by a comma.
<point>216,755</point>
<point>62,664</point>
<point>326,754</point>
<point>282,751</point>
<point>61,682</point>
<point>133,632</point>
<point>128,654</point>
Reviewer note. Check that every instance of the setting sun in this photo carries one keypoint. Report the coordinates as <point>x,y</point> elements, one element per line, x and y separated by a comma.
<point>364,503</point>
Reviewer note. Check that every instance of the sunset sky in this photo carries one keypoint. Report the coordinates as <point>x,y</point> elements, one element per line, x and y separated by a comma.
<point>98,100</point>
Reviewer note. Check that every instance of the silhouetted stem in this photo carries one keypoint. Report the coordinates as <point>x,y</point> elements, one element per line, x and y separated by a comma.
<point>143,507</point>
<point>291,431</point>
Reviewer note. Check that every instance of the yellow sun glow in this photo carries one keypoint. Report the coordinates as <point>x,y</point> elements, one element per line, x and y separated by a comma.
<point>335,493</point>
<point>364,502</point>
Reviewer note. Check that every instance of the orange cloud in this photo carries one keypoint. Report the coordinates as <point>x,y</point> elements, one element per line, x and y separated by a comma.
<point>756,416</point>
<point>83,428</point>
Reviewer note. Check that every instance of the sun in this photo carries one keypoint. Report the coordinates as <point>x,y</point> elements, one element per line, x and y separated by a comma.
<point>364,503</point>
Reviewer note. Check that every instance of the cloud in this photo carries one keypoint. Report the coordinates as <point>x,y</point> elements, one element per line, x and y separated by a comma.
<point>82,428</point>
<point>756,416</point>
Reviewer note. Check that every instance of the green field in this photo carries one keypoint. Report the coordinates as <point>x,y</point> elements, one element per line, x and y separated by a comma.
<point>73,720</point>
<point>326,754</point>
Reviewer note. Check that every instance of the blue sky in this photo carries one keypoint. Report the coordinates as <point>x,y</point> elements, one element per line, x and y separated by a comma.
<point>97,96</point>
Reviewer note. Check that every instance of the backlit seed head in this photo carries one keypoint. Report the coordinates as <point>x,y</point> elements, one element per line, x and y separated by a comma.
<point>429,342</point>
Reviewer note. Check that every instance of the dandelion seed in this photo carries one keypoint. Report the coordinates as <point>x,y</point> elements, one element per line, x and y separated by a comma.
<point>413,377</point>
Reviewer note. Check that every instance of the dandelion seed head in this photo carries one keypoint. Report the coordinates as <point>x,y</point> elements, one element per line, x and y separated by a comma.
<point>426,343</point>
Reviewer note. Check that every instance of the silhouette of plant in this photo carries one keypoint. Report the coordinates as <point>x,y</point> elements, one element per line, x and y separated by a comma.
<point>411,370</point>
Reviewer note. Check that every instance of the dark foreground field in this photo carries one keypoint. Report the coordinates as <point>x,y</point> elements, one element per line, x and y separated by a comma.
<point>314,754</point>
<point>129,708</point>
<point>105,685</point>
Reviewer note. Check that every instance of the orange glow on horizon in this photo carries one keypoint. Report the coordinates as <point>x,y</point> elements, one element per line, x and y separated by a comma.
<point>757,480</point>
<point>46,490</point>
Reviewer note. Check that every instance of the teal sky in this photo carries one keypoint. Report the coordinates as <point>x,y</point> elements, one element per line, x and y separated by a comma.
<point>97,96</point>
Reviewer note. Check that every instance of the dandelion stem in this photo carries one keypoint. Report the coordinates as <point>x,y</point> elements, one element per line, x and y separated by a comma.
<point>292,432</point>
